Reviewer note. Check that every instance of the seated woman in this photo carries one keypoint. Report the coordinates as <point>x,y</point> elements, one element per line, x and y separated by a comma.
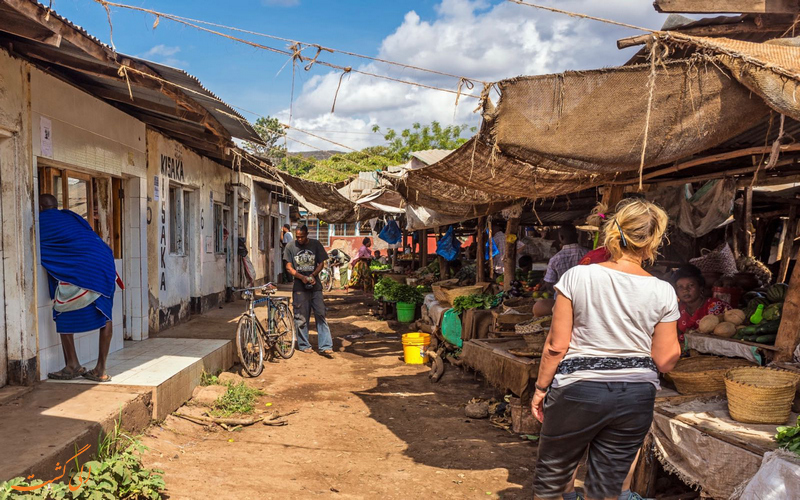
<point>690,287</point>
<point>361,276</point>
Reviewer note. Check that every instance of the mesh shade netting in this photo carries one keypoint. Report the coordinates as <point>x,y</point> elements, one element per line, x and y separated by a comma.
<point>594,121</point>
<point>328,203</point>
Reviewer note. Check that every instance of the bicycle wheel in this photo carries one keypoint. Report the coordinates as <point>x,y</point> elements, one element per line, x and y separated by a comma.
<point>285,331</point>
<point>326,279</point>
<point>250,345</point>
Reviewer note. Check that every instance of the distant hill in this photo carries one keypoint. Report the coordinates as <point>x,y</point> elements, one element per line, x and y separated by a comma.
<point>318,154</point>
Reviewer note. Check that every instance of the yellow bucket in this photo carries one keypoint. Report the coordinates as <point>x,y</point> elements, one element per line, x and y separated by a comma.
<point>415,347</point>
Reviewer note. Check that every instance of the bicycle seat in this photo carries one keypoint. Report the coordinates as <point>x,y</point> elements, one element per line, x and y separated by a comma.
<point>269,289</point>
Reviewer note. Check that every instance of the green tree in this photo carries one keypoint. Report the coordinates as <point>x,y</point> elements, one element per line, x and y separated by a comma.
<point>272,133</point>
<point>342,166</point>
<point>419,138</point>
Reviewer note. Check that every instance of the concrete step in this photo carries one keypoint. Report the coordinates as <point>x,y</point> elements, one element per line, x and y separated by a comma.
<point>46,426</point>
<point>170,368</point>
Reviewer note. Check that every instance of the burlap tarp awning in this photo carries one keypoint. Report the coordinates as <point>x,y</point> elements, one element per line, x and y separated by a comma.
<point>324,200</point>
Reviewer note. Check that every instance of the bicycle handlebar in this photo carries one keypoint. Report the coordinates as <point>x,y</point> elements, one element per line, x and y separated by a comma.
<point>264,288</point>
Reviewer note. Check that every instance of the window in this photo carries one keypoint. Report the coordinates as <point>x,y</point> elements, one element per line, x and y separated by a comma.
<point>219,242</point>
<point>98,199</point>
<point>187,211</point>
<point>364,229</point>
<point>262,233</point>
<point>175,221</point>
<point>344,230</point>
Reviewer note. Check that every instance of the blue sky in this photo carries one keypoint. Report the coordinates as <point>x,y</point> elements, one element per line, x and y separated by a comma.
<point>483,39</point>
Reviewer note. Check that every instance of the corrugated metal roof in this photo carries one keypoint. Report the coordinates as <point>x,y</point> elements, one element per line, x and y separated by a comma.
<point>234,122</point>
<point>431,156</point>
<point>185,111</point>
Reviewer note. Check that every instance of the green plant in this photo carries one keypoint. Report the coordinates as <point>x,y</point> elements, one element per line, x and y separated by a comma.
<point>789,437</point>
<point>238,399</point>
<point>377,266</point>
<point>385,289</point>
<point>408,294</point>
<point>209,378</point>
<point>115,472</point>
<point>476,301</point>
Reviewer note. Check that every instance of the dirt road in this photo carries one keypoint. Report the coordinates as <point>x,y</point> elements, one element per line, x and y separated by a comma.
<point>368,426</point>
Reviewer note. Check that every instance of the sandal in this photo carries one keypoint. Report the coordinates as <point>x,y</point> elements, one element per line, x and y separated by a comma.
<point>91,375</point>
<point>67,374</point>
<point>306,351</point>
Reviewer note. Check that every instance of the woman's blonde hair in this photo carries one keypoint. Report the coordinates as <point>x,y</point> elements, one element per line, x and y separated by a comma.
<point>637,228</point>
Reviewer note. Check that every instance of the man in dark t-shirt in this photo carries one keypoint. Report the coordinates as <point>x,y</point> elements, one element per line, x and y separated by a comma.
<point>305,259</point>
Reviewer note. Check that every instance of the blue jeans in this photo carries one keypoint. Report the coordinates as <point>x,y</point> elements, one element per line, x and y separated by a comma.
<point>302,303</point>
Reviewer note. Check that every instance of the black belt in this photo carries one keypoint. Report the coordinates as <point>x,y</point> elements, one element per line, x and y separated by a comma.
<point>573,365</point>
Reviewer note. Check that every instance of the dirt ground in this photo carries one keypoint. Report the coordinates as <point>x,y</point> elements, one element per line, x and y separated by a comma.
<point>368,426</point>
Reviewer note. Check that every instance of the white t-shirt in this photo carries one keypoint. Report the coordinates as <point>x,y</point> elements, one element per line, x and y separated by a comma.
<point>287,238</point>
<point>614,315</point>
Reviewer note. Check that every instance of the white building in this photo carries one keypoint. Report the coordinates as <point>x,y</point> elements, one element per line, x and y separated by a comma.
<point>148,159</point>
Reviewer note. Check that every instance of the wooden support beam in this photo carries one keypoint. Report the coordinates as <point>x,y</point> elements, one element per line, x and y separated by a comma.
<point>39,14</point>
<point>727,6</point>
<point>510,258</point>
<point>443,266</point>
<point>125,98</point>
<point>423,247</point>
<point>747,223</point>
<point>788,244</point>
<point>480,259</point>
<point>714,158</point>
<point>40,35</point>
<point>789,331</point>
<point>710,31</point>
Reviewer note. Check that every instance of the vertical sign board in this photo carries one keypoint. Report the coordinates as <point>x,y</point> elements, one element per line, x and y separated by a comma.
<point>155,188</point>
<point>46,136</point>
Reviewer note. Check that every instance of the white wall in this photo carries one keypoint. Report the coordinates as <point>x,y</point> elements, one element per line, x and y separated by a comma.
<point>91,136</point>
<point>199,274</point>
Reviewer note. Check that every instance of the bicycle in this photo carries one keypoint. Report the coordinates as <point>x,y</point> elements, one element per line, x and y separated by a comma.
<point>252,341</point>
<point>326,277</point>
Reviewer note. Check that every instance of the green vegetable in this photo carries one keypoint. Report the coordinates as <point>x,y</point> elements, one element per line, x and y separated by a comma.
<point>407,294</point>
<point>766,339</point>
<point>385,289</point>
<point>773,311</point>
<point>476,301</point>
<point>768,327</point>
<point>788,438</point>
<point>377,266</point>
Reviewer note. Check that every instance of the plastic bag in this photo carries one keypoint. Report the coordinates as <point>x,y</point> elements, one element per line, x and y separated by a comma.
<point>494,250</point>
<point>391,233</point>
<point>448,246</point>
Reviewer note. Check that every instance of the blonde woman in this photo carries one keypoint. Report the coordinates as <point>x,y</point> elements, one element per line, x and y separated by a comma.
<point>614,329</point>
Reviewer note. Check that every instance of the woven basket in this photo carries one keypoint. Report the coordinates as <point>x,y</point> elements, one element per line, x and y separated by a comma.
<point>448,294</point>
<point>535,341</point>
<point>703,373</point>
<point>759,395</point>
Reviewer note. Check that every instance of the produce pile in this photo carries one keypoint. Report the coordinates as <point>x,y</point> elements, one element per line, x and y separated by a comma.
<point>377,266</point>
<point>788,438</point>
<point>476,301</point>
<point>757,322</point>
<point>389,290</point>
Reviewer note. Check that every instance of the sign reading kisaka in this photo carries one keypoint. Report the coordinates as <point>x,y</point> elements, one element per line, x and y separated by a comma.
<point>172,167</point>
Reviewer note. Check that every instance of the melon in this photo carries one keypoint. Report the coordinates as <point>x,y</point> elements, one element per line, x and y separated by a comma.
<point>725,329</point>
<point>708,324</point>
<point>777,292</point>
<point>735,316</point>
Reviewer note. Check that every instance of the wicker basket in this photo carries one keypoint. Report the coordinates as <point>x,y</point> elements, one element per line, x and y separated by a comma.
<point>449,294</point>
<point>703,373</point>
<point>759,395</point>
<point>535,341</point>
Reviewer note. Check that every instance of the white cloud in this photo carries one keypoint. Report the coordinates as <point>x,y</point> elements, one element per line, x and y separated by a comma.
<point>473,38</point>
<point>165,54</point>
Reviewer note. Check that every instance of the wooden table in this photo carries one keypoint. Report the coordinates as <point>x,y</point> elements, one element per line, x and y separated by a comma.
<point>491,358</point>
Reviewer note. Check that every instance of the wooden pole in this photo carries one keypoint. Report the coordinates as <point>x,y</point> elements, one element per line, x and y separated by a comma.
<point>443,266</point>
<point>510,258</point>
<point>748,221</point>
<point>480,259</point>
<point>788,244</point>
<point>789,331</point>
<point>423,247</point>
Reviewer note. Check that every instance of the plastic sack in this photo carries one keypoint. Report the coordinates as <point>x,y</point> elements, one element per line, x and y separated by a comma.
<point>494,250</point>
<point>451,328</point>
<point>391,233</point>
<point>448,246</point>
<point>778,478</point>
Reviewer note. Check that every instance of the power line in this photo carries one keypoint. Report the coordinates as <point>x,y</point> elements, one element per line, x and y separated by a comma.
<point>297,53</point>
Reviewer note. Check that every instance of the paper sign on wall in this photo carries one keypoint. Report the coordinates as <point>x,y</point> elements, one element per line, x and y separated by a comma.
<point>209,245</point>
<point>155,188</point>
<point>46,132</point>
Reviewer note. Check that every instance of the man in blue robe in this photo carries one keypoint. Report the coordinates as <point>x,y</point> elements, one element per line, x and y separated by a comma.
<point>82,279</point>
